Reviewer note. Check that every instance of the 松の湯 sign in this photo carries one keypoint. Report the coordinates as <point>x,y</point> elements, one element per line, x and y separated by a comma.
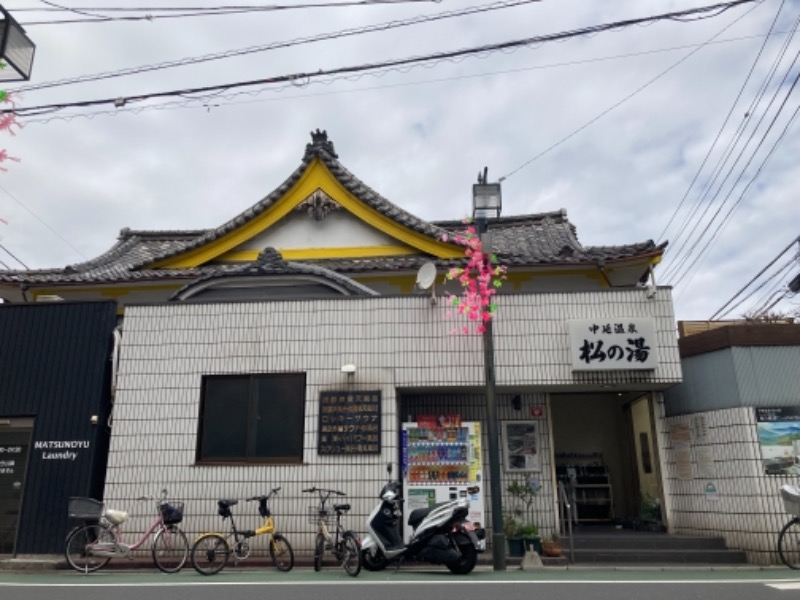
<point>612,344</point>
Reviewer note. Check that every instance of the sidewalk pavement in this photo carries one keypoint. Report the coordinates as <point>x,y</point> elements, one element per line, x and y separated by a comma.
<point>142,561</point>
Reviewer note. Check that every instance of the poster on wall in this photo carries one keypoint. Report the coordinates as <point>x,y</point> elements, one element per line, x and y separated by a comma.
<point>520,446</point>
<point>779,437</point>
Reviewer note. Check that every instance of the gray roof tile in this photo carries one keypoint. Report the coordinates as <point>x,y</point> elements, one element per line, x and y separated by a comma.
<point>524,240</point>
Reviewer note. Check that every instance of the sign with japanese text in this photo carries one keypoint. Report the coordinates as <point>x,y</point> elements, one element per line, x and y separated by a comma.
<point>613,344</point>
<point>349,423</point>
<point>779,437</point>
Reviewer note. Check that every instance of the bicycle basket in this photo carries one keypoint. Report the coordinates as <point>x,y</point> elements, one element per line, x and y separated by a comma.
<point>172,512</point>
<point>85,508</point>
<point>791,499</point>
<point>315,515</point>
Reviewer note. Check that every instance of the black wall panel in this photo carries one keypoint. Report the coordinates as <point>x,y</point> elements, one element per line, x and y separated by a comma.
<point>55,366</point>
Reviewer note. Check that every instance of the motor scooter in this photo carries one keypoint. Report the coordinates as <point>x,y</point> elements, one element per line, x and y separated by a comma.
<point>442,534</point>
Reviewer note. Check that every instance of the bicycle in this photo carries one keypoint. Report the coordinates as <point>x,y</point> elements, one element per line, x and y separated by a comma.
<point>91,546</point>
<point>343,543</point>
<point>211,550</point>
<point>789,538</point>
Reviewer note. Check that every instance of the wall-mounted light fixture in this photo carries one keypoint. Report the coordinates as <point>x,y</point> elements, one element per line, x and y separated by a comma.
<point>349,369</point>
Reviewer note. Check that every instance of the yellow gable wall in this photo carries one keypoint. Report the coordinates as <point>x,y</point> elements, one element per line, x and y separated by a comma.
<point>315,177</point>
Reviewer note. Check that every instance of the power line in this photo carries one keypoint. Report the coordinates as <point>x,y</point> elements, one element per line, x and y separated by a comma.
<point>719,312</point>
<point>675,267</point>
<point>741,174</point>
<point>201,12</point>
<point>280,45</point>
<point>625,99</point>
<point>411,61</point>
<point>222,99</point>
<point>766,160</point>
<point>725,122</point>
<point>38,218</point>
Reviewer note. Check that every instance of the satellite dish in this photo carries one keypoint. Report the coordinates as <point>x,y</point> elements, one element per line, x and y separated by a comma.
<point>425,278</point>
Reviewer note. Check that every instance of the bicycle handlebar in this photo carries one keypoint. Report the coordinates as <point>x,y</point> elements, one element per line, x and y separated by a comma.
<point>321,490</point>
<point>267,497</point>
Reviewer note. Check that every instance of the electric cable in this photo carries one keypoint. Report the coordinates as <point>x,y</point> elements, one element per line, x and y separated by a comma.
<point>724,124</point>
<point>691,222</point>
<point>623,100</point>
<point>210,12</point>
<point>405,62</point>
<point>279,45</point>
<point>676,271</point>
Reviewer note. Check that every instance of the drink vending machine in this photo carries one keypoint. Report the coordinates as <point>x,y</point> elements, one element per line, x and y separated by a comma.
<point>441,461</point>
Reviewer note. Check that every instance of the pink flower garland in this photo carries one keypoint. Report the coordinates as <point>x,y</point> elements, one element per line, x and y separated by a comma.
<point>7,121</point>
<point>480,280</point>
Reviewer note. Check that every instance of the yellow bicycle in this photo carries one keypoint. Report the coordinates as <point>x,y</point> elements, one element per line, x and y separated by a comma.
<point>210,551</point>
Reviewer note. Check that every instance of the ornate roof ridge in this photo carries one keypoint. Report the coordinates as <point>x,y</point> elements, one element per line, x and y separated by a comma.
<point>322,148</point>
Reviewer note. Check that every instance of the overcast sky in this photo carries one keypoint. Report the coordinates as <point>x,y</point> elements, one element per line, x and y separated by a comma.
<point>636,132</point>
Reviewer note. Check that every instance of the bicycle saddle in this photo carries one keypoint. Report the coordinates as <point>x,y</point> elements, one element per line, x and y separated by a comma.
<point>228,503</point>
<point>343,507</point>
<point>115,517</point>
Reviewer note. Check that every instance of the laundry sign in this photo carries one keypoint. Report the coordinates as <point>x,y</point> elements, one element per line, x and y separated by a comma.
<point>613,344</point>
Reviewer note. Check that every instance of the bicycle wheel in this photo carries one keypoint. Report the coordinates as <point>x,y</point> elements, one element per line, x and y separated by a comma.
<point>319,551</point>
<point>83,542</point>
<point>281,552</point>
<point>351,554</point>
<point>170,549</point>
<point>789,544</point>
<point>210,553</point>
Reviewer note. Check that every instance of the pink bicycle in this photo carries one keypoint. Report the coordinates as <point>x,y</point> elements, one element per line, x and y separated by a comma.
<point>90,546</point>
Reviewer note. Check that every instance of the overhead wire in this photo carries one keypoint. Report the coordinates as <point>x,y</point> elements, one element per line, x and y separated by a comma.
<point>623,100</point>
<point>200,12</point>
<point>761,167</point>
<point>403,62</point>
<point>729,305</point>
<point>661,236</point>
<point>680,272</point>
<point>691,222</point>
<point>229,99</point>
<point>417,20</point>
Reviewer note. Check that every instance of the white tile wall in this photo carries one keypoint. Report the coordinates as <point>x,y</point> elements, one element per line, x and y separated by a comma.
<point>748,512</point>
<point>395,343</point>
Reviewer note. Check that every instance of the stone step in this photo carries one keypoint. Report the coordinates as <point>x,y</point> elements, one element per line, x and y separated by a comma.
<point>647,542</point>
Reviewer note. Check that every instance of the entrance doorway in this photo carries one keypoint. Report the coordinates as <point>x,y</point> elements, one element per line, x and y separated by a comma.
<point>15,435</point>
<point>606,456</point>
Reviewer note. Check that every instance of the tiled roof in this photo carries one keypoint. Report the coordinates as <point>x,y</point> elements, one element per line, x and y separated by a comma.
<point>270,262</point>
<point>526,240</point>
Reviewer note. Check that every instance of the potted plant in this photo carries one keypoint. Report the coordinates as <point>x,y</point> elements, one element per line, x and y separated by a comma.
<point>521,532</point>
<point>551,546</point>
<point>528,533</point>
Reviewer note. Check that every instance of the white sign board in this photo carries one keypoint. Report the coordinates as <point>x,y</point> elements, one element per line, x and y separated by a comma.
<point>613,344</point>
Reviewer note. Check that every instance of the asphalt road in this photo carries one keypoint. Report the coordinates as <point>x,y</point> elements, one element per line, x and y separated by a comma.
<point>334,584</point>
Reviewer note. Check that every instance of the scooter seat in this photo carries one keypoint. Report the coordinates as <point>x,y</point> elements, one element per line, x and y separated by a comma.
<point>418,514</point>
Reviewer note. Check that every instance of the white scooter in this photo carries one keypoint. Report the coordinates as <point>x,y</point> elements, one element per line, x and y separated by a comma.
<point>442,534</point>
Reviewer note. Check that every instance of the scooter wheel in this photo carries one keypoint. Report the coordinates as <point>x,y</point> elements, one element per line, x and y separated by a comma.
<point>373,562</point>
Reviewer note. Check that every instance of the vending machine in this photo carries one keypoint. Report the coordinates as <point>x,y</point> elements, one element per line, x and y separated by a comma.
<point>441,461</point>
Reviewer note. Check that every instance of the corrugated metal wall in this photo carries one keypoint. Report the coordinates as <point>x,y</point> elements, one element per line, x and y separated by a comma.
<point>54,367</point>
<point>395,343</point>
<point>758,376</point>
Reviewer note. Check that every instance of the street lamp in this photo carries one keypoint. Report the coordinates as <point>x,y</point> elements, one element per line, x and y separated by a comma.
<point>486,204</point>
<point>16,49</point>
